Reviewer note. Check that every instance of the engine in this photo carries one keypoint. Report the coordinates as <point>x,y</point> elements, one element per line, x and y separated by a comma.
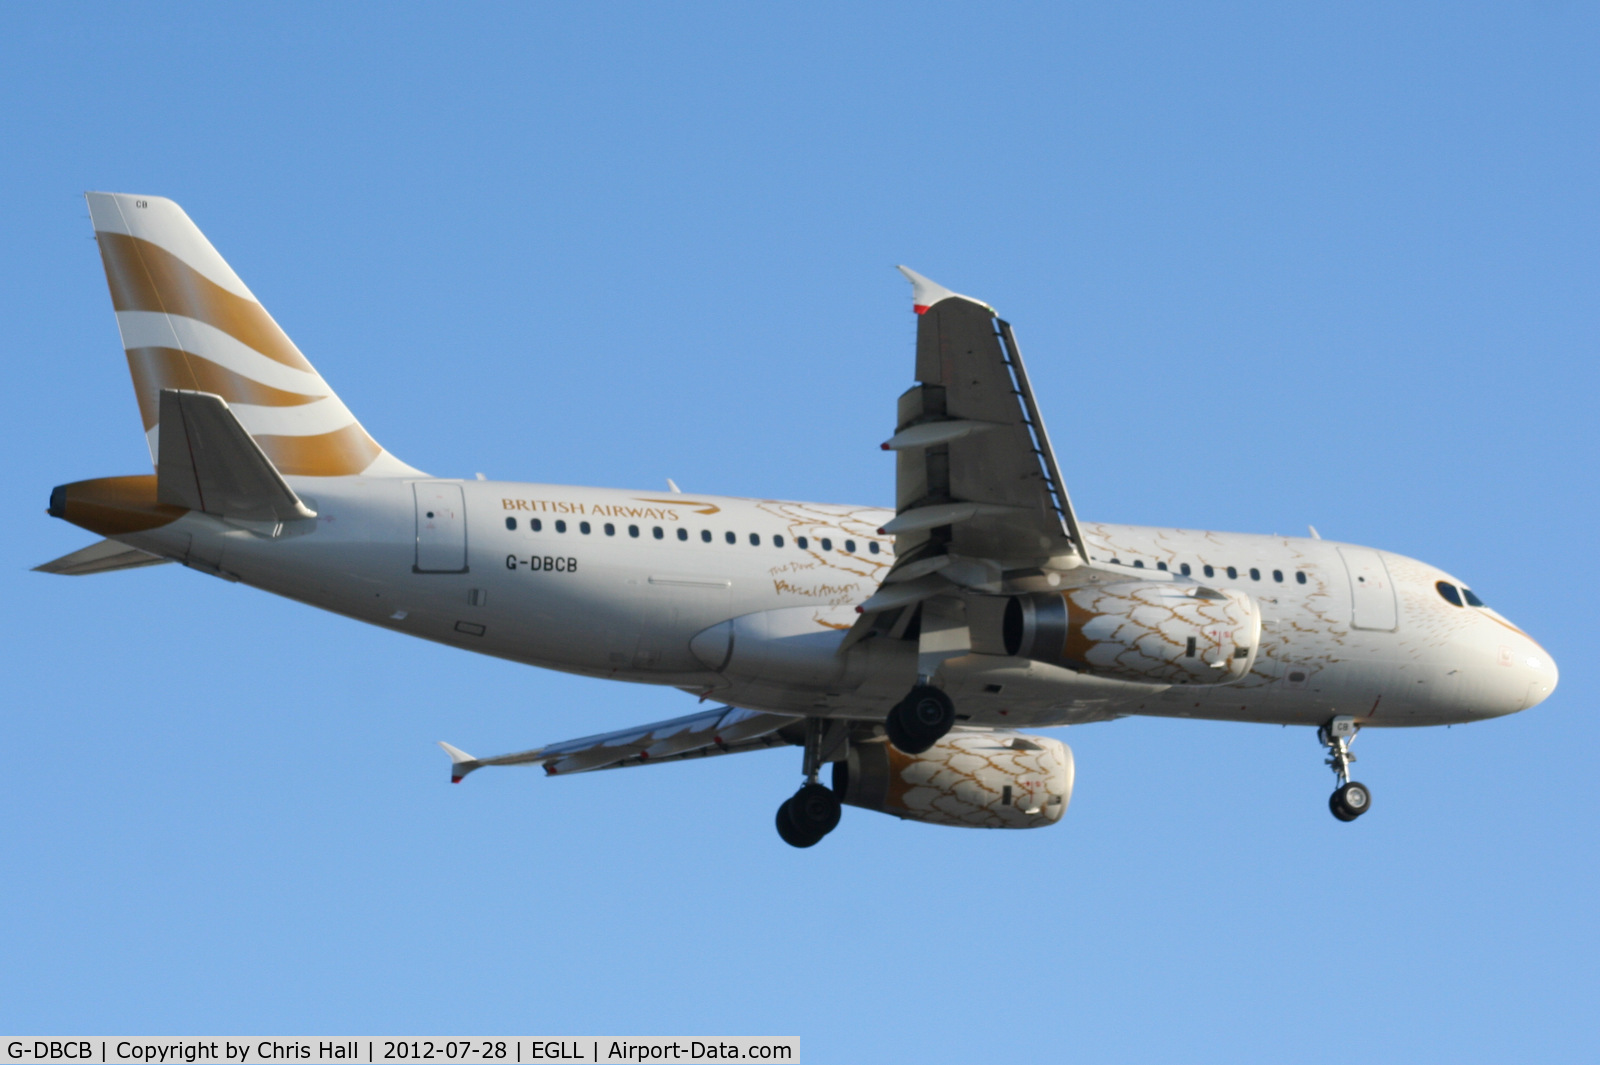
<point>969,779</point>
<point>1153,631</point>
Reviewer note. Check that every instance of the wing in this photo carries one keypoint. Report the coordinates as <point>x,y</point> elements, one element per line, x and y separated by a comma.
<point>978,493</point>
<point>725,730</point>
<point>975,473</point>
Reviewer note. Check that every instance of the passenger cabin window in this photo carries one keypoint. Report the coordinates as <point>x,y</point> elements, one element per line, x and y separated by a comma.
<point>705,535</point>
<point>732,538</point>
<point>583,527</point>
<point>561,525</point>
<point>1255,574</point>
<point>611,530</point>
<point>1209,571</point>
<point>511,523</point>
<point>1162,566</point>
<point>633,531</point>
<point>1277,575</point>
<point>827,544</point>
<point>1233,574</point>
<point>1472,600</point>
<point>755,539</point>
<point>802,543</point>
<point>1138,563</point>
<point>537,524</point>
<point>657,532</point>
<point>1183,568</point>
<point>850,546</point>
<point>777,540</point>
<point>872,546</point>
<point>683,534</point>
<point>1299,577</point>
<point>1448,592</point>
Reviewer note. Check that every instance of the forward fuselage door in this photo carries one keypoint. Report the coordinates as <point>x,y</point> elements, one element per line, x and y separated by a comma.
<point>441,527</point>
<point>1372,603</point>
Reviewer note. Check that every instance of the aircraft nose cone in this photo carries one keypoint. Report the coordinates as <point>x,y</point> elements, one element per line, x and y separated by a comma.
<point>1541,672</point>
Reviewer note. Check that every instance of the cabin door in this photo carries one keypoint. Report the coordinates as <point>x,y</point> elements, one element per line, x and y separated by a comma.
<point>1372,604</point>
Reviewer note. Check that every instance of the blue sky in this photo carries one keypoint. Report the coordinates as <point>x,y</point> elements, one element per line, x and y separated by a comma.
<point>1271,265</point>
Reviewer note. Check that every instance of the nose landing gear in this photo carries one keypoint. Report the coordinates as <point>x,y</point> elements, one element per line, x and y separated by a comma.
<point>1351,799</point>
<point>813,811</point>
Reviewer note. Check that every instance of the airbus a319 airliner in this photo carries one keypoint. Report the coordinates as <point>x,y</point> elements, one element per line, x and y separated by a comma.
<point>903,648</point>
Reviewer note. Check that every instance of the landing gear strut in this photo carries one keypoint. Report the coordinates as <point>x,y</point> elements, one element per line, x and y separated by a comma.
<point>813,811</point>
<point>920,720</point>
<point>1350,800</point>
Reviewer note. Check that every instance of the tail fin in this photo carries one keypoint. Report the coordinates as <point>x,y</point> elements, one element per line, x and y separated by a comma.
<point>189,323</point>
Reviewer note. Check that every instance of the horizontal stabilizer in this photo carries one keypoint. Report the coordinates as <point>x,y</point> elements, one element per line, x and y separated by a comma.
<point>103,557</point>
<point>207,462</point>
<point>725,730</point>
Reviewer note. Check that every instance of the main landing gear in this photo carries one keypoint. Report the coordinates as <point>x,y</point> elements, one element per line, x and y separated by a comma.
<point>808,815</point>
<point>920,720</point>
<point>1350,800</point>
<point>813,811</point>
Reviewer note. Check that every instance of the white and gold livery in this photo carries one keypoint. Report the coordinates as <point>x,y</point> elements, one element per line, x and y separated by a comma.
<point>904,647</point>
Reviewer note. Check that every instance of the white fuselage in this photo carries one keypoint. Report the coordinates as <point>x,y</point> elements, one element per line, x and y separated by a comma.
<point>508,569</point>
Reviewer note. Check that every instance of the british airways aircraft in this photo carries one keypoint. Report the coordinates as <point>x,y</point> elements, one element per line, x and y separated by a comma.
<point>906,648</point>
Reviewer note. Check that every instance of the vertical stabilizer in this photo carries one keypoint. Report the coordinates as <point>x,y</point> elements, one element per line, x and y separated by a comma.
<point>189,323</point>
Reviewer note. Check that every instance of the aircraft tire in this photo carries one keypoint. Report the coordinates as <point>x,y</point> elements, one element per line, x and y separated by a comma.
<point>1350,801</point>
<point>814,810</point>
<point>1355,798</point>
<point>789,833</point>
<point>920,720</point>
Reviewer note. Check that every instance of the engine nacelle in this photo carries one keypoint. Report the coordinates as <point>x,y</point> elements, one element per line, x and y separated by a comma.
<point>1167,633</point>
<point>969,779</point>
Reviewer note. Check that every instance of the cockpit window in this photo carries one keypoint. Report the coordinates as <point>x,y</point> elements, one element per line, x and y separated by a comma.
<point>1448,591</point>
<point>1472,600</point>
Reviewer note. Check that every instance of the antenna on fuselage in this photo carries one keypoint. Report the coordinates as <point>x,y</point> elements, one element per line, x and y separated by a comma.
<point>1314,534</point>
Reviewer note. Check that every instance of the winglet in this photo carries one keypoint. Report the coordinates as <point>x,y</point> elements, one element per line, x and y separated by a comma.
<point>925,293</point>
<point>461,763</point>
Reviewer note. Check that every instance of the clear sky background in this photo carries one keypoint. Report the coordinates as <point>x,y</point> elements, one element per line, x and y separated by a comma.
<point>1270,264</point>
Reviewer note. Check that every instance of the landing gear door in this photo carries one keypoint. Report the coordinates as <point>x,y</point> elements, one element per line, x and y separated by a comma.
<point>441,528</point>
<point>1372,604</point>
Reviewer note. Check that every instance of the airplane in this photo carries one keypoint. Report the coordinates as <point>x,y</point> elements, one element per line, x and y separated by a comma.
<point>903,649</point>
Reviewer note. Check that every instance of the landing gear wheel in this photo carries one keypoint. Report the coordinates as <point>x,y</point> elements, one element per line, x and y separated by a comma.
<point>814,810</point>
<point>791,835</point>
<point>1350,801</point>
<point>808,815</point>
<point>920,720</point>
